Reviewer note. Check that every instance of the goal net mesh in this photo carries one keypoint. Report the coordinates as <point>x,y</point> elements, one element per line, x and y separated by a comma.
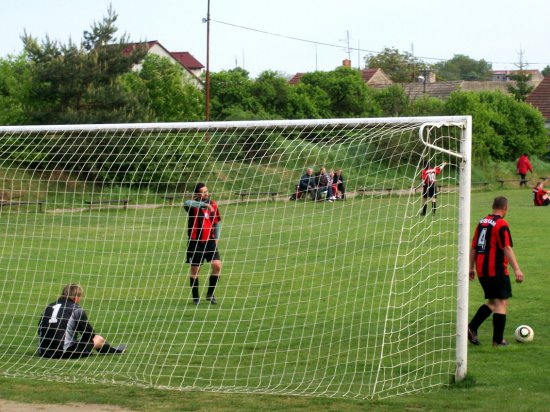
<point>355,297</point>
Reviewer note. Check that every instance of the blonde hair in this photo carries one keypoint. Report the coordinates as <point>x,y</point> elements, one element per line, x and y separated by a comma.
<point>71,291</point>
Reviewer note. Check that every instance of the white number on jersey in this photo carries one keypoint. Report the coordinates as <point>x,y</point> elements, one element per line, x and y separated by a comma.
<point>56,308</point>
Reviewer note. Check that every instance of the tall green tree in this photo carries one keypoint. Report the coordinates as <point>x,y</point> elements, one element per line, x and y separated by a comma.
<point>546,71</point>
<point>522,88</point>
<point>231,92</point>
<point>15,85</point>
<point>82,83</point>
<point>502,126</point>
<point>400,67</point>
<point>170,95</point>
<point>348,94</point>
<point>462,67</point>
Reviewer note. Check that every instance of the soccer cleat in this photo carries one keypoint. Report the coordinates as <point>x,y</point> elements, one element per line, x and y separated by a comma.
<point>502,343</point>
<point>472,337</point>
<point>212,300</point>
<point>119,349</point>
<point>196,301</point>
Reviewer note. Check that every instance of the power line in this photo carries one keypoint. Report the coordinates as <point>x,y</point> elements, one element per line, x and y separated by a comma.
<point>339,46</point>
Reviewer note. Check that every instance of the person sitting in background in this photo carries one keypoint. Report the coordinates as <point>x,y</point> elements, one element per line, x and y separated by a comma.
<point>322,183</point>
<point>338,181</point>
<point>540,196</point>
<point>305,185</point>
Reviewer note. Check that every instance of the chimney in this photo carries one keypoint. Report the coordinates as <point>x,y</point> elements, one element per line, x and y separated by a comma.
<point>346,63</point>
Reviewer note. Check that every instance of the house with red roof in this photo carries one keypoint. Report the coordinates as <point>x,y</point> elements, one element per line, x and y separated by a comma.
<point>190,66</point>
<point>540,98</point>
<point>372,77</point>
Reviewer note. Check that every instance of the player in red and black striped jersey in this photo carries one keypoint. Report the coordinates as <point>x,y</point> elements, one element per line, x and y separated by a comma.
<point>429,187</point>
<point>490,254</point>
<point>540,196</point>
<point>203,230</point>
<point>65,332</point>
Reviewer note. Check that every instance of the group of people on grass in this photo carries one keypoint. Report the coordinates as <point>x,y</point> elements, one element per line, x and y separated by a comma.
<point>322,185</point>
<point>65,332</point>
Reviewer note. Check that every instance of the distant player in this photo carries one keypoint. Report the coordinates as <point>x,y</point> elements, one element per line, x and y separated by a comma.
<point>203,230</point>
<point>429,187</point>
<point>65,332</point>
<point>490,253</point>
<point>540,196</point>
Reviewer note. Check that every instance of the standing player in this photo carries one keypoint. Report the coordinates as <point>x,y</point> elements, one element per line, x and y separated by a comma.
<point>540,196</point>
<point>490,254</point>
<point>63,322</point>
<point>203,230</point>
<point>429,188</point>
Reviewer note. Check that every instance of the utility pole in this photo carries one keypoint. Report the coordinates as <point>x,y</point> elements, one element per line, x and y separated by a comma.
<point>207,85</point>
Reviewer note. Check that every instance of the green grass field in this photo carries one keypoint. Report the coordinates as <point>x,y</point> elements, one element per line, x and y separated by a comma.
<point>256,338</point>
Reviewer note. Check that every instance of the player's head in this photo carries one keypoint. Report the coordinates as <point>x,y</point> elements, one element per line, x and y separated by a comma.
<point>72,291</point>
<point>309,171</point>
<point>201,191</point>
<point>500,204</point>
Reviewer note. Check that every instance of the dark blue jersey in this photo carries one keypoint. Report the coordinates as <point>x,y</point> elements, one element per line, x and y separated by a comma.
<point>63,325</point>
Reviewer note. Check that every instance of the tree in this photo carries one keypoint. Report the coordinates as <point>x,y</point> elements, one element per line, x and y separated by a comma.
<point>400,67</point>
<point>392,100</point>
<point>231,90</point>
<point>502,126</point>
<point>546,71</point>
<point>522,88</point>
<point>462,67</point>
<point>170,95</point>
<point>82,84</point>
<point>348,94</point>
<point>15,84</point>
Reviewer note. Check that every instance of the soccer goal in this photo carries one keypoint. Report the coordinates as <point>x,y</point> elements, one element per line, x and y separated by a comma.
<point>343,290</point>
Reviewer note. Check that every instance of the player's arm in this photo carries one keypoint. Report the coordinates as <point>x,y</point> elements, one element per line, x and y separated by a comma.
<point>473,255</point>
<point>188,204</point>
<point>511,257</point>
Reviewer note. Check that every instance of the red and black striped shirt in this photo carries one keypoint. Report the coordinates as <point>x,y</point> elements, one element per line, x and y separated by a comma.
<point>201,222</point>
<point>492,235</point>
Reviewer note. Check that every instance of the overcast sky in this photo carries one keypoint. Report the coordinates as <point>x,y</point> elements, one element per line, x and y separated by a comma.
<point>292,36</point>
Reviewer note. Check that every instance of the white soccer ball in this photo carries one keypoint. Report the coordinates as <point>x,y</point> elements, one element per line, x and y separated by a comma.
<point>524,334</point>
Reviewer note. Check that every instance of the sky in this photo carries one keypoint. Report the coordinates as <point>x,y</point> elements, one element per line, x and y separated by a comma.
<point>291,36</point>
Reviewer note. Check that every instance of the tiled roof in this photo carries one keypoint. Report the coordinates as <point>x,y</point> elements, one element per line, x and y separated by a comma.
<point>441,90</point>
<point>188,60</point>
<point>296,78</point>
<point>540,97</point>
<point>367,74</point>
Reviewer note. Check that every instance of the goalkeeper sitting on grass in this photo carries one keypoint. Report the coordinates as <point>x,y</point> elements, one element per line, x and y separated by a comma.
<point>61,324</point>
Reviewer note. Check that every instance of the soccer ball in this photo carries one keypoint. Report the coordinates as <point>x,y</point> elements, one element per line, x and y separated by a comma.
<point>524,334</point>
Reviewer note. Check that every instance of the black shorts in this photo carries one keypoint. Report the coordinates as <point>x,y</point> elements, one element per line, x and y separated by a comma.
<point>496,287</point>
<point>429,191</point>
<point>198,252</point>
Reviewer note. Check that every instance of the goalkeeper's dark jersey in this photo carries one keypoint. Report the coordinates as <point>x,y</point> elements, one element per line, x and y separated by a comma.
<point>60,326</point>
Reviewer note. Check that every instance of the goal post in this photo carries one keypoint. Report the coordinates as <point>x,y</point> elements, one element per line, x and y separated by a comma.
<point>343,290</point>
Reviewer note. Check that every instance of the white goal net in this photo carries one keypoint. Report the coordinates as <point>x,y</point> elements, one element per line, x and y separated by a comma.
<point>353,294</point>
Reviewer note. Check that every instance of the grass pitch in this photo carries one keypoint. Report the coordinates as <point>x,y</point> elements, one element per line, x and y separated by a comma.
<point>516,371</point>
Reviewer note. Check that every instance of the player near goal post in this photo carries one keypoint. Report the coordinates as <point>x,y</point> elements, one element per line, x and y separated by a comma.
<point>429,188</point>
<point>203,230</point>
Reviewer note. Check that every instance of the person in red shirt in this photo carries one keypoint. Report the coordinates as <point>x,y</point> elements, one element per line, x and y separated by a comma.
<point>540,196</point>
<point>490,254</point>
<point>203,230</point>
<point>523,166</point>
<point>429,188</point>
